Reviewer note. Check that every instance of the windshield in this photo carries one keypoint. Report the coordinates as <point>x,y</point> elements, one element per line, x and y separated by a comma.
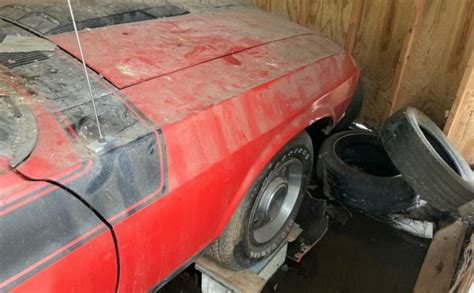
<point>48,19</point>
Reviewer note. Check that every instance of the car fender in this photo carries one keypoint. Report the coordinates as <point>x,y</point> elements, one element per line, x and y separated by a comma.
<point>274,141</point>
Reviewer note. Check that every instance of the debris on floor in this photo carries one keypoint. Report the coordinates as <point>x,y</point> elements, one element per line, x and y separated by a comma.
<point>417,228</point>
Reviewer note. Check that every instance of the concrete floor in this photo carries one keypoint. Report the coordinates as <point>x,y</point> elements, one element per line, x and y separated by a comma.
<point>361,255</point>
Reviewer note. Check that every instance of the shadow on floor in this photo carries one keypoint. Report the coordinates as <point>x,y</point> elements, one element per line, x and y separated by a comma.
<point>362,255</point>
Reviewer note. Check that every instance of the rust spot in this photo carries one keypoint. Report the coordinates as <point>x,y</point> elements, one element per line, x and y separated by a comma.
<point>232,60</point>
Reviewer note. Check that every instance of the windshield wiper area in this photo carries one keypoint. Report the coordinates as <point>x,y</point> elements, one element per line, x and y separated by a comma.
<point>52,19</point>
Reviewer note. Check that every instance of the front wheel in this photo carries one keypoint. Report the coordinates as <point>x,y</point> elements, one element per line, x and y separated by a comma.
<point>266,214</point>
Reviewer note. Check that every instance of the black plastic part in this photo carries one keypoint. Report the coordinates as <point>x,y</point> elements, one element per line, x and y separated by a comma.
<point>356,170</point>
<point>313,220</point>
<point>15,59</point>
<point>427,160</point>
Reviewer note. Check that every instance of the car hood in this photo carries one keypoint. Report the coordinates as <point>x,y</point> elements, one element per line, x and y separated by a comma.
<point>128,54</point>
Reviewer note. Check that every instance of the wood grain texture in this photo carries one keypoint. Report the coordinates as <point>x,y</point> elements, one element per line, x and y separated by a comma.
<point>393,94</point>
<point>354,24</point>
<point>330,17</point>
<point>465,279</point>
<point>460,125</point>
<point>378,46</point>
<point>438,58</point>
<point>437,271</point>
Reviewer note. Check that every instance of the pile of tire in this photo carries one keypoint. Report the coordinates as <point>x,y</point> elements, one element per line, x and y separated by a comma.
<point>385,172</point>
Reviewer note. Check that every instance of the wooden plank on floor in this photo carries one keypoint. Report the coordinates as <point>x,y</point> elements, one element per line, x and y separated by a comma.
<point>438,268</point>
<point>244,280</point>
<point>465,278</point>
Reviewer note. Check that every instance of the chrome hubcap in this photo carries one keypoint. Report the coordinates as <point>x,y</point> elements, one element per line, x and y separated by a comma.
<point>276,201</point>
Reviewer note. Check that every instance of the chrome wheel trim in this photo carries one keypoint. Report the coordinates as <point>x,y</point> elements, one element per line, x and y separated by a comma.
<point>276,201</point>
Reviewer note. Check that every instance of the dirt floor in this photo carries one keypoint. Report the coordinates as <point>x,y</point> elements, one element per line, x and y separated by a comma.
<point>361,255</point>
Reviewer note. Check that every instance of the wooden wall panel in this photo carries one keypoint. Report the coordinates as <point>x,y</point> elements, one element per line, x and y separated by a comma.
<point>377,49</point>
<point>330,17</point>
<point>460,125</point>
<point>438,58</point>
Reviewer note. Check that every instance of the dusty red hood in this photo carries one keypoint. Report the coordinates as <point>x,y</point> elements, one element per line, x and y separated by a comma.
<point>131,53</point>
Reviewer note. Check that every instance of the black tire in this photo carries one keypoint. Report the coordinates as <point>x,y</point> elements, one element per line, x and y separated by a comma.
<point>352,111</point>
<point>427,160</point>
<point>237,247</point>
<point>357,171</point>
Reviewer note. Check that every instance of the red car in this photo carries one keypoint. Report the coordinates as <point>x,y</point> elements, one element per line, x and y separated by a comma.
<point>204,116</point>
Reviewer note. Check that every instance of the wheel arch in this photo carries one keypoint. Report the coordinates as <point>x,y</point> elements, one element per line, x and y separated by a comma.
<point>319,117</point>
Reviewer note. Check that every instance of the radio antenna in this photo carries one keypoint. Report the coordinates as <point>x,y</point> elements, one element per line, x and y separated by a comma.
<point>101,136</point>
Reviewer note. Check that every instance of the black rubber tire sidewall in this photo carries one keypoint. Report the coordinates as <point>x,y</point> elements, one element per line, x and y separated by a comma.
<point>234,249</point>
<point>422,167</point>
<point>354,187</point>
<point>301,149</point>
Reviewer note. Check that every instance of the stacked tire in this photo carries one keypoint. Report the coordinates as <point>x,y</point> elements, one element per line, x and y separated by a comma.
<point>385,172</point>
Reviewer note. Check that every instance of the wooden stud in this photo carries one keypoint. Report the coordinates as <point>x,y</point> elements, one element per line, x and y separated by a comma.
<point>460,125</point>
<point>354,25</point>
<point>377,51</point>
<point>437,59</point>
<point>418,8</point>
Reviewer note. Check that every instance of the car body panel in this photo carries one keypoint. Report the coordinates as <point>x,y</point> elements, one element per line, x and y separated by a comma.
<point>211,181</point>
<point>186,138</point>
<point>40,223</point>
<point>175,43</point>
<point>86,265</point>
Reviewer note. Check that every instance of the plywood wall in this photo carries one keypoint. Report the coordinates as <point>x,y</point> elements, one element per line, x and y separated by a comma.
<point>411,52</point>
<point>460,125</point>
<point>331,17</point>
<point>438,58</point>
<point>377,50</point>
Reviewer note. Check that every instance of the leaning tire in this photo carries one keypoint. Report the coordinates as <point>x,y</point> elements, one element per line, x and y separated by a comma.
<point>266,214</point>
<point>357,171</point>
<point>428,162</point>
